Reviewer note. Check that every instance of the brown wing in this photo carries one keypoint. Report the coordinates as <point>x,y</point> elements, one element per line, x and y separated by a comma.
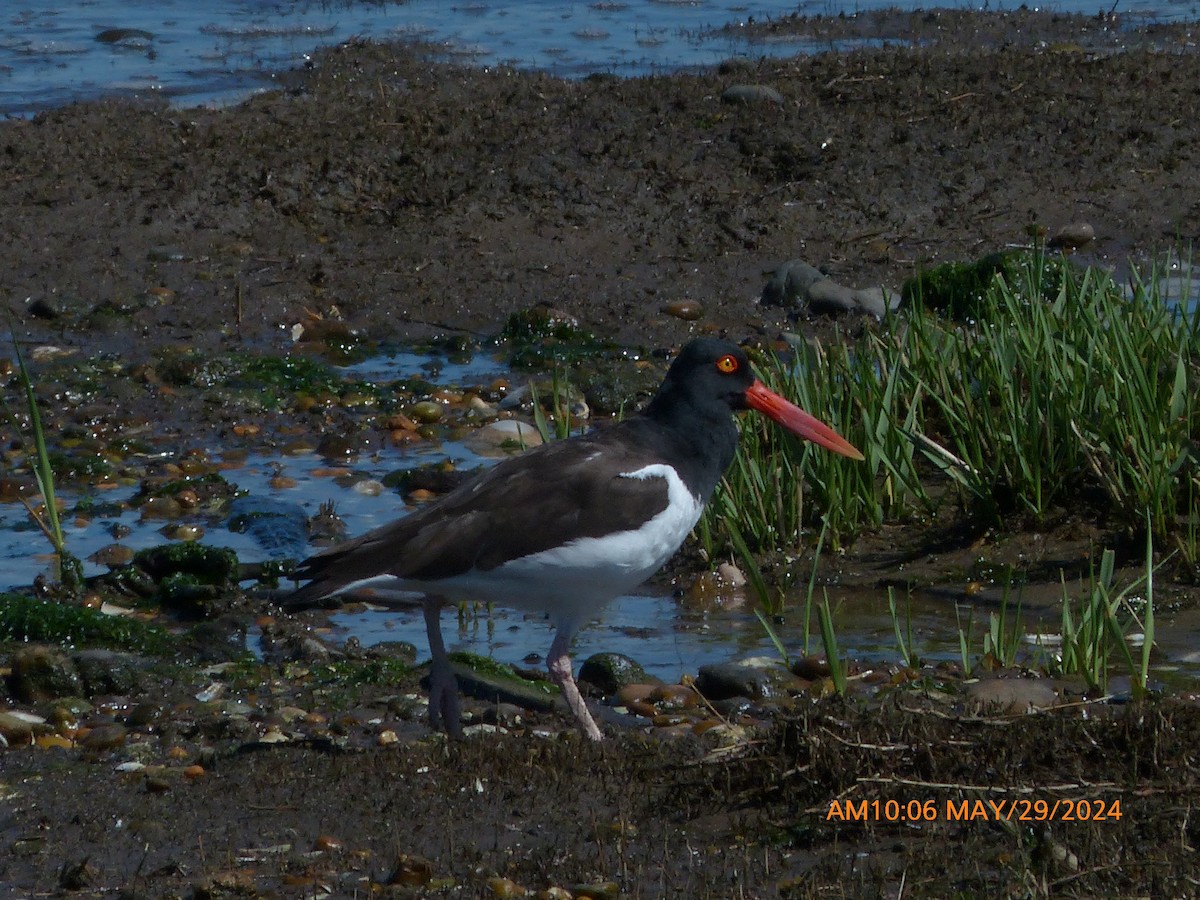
<point>549,496</point>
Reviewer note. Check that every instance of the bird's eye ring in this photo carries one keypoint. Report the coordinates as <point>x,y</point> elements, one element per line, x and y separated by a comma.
<point>727,364</point>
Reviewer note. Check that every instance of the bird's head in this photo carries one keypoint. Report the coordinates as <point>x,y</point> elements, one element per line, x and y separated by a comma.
<point>710,370</point>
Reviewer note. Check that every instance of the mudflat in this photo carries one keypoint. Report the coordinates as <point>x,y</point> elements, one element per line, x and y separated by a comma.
<point>394,196</point>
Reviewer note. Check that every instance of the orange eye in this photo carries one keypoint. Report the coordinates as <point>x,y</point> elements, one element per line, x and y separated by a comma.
<point>727,364</point>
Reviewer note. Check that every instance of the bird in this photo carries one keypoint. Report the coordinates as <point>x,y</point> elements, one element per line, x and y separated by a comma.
<point>567,526</point>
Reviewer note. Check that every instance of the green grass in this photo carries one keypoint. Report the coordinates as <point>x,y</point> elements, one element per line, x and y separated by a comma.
<point>70,570</point>
<point>1060,393</point>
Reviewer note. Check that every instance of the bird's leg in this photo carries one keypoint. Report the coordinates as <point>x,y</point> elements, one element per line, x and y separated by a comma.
<point>559,664</point>
<point>444,708</point>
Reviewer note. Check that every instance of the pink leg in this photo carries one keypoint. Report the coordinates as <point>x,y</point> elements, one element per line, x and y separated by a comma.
<point>559,664</point>
<point>444,708</point>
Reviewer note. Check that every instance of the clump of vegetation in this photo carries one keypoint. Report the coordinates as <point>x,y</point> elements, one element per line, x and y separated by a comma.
<point>1089,396</point>
<point>540,338</point>
<point>26,619</point>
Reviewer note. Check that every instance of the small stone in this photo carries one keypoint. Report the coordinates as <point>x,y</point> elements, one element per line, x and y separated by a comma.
<point>688,310</point>
<point>1072,236</point>
<point>104,737</point>
<point>411,871</point>
<point>42,673</point>
<point>754,678</point>
<point>497,438</point>
<point>427,412</point>
<point>17,727</point>
<point>505,888</point>
<point>810,667</point>
<point>1010,695</point>
<point>673,696</point>
<point>635,693</point>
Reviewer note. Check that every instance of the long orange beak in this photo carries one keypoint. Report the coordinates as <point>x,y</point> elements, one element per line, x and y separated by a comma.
<point>797,421</point>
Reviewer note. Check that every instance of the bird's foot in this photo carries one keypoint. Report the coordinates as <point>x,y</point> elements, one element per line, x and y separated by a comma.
<point>445,707</point>
<point>560,671</point>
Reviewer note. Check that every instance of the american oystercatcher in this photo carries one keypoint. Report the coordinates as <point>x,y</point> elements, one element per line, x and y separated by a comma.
<point>565,527</point>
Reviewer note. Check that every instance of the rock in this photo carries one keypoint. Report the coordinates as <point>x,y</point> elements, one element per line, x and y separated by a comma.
<point>104,737</point>
<point>499,438</point>
<point>110,672</point>
<point>609,672</point>
<point>1010,695</point>
<point>688,310</point>
<point>758,678</point>
<point>411,871</point>
<point>42,673</point>
<point>634,692</point>
<point>1072,236</point>
<point>494,683</point>
<point>752,93</point>
<point>673,697</point>
<point>797,285</point>
<point>17,728</point>
<point>427,412</point>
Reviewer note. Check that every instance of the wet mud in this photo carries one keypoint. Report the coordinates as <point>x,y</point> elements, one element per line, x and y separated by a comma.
<point>387,196</point>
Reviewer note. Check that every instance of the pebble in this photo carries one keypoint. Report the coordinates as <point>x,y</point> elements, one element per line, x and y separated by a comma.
<point>427,412</point>
<point>688,310</point>
<point>411,871</point>
<point>1072,236</point>
<point>17,727</point>
<point>104,737</point>
<point>505,888</point>
<point>635,693</point>
<point>503,435</point>
<point>673,696</point>
<point>1010,695</point>
<point>112,555</point>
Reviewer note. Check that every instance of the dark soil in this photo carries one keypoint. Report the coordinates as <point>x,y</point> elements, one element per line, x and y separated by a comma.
<point>393,196</point>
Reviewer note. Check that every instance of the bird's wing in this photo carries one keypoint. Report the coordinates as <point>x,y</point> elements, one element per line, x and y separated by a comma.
<point>551,495</point>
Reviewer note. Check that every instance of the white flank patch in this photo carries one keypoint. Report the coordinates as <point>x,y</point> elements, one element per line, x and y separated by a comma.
<point>573,581</point>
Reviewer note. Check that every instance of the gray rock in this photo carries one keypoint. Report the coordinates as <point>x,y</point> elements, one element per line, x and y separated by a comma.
<point>758,679</point>
<point>797,285</point>
<point>110,672</point>
<point>1072,236</point>
<point>1010,695</point>
<point>43,673</point>
<point>752,93</point>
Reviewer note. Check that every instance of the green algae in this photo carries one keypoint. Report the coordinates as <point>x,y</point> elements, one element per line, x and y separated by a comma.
<point>957,289</point>
<point>26,619</point>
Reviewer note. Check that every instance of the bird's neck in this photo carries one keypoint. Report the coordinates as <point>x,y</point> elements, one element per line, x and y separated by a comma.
<point>702,439</point>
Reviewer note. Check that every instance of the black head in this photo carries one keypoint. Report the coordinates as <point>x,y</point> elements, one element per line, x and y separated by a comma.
<point>710,372</point>
<point>710,378</point>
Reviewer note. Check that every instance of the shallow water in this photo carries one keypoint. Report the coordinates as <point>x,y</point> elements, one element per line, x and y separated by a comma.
<point>218,52</point>
<point>670,637</point>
